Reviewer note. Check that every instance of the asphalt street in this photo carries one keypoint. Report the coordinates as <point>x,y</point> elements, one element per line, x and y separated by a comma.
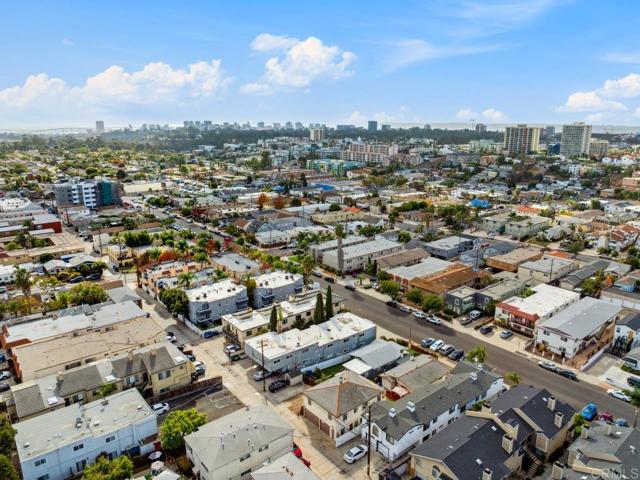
<point>406,325</point>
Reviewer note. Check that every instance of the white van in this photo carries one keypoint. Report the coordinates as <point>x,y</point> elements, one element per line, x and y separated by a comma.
<point>475,314</point>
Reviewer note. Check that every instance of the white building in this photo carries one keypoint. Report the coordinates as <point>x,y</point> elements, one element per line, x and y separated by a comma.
<point>276,287</point>
<point>356,257</point>
<point>208,303</point>
<point>234,446</point>
<point>60,444</point>
<point>570,331</point>
<point>576,139</point>
<point>521,139</point>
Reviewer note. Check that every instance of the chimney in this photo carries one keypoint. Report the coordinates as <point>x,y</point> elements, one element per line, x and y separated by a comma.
<point>507,443</point>
<point>486,474</point>
<point>585,432</point>
<point>486,407</point>
<point>411,407</point>
<point>557,419</point>
<point>557,472</point>
<point>392,412</point>
<point>152,352</point>
<point>130,355</point>
<point>551,403</point>
<point>59,376</point>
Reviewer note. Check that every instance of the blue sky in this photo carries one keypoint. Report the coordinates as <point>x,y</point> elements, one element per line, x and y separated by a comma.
<point>539,61</point>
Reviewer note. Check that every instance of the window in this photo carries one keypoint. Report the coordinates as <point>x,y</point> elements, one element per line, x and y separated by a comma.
<point>264,447</point>
<point>44,477</point>
<point>245,456</point>
<point>110,439</point>
<point>165,374</point>
<point>435,472</point>
<point>40,462</point>
<point>564,339</point>
<point>80,446</point>
<point>246,472</point>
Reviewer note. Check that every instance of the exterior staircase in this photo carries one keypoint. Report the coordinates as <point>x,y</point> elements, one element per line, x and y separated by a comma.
<point>535,461</point>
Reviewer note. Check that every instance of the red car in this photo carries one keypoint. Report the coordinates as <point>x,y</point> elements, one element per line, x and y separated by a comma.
<point>606,417</point>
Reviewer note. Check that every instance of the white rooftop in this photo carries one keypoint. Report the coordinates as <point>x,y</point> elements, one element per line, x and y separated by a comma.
<point>544,301</point>
<point>276,279</point>
<point>216,291</point>
<point>367,248</point>
<point>427,266</point>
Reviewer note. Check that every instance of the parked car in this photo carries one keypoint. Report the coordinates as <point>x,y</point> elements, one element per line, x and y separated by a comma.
<point>315,273</point>
<point>261,374</point>
<point>406,308</point>
<point>427,342</point>
<point>171,337</point>
<point>433,320</point>
<point>389,303</point>
<point>229,349</point>
<point>420,315</point>
<point>3,358</point>
<point>352,287</point>
<point>355,454</point>
<point>5,375</point>
<point>475,314</point>
<point>606,417</point>
<point>456,355</point>
<point>466,320</point>
<point>633,381</point>
<point>435,346</point>
<point>330,279</point>
<point>486,329</point>
<point>94,277</point>
<point>278,385</point>
<point>211,333</point>
<point>567,374</point>
<point>191,358</point>
<point>547,365</point>
<point>621,422</point>
<point>619,394</point>
<point>234,357</point>
<point>447,349</point>
<point>506,334</point>
<point>200,368</point>
<point>78,279</point>
<point>589,412</point>
<point>160,408</point>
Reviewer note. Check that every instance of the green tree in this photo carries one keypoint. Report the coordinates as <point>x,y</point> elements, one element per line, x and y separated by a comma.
<point>308,264</point>
<point>185,280</point>
<point>416,296</point>
<point>390,288</point>
<point>404,237</point>
<point>513,378</point>
<point>432,303</point>
<point>334,207</point>
<point>318,314</point>
<point>477,354</point>
<point>328,304</point>
<point>177,425</point>
<point>120,468</point>
<point>107,389</point>
<point>22,280</point>
<point>273,320</point>
<point>176,301</point>
<point>7,433</point>
<point>7,470</point>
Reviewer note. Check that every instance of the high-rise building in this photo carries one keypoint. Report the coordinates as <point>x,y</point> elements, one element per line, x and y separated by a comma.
<point>260,124</point>
<point>372,126</point>
<point>598,148</point>
<point>276,126</point>
<point>299,126</point>
<point>575,139</point>
<point>91,193</point>
<point>369,152</point>
<point>549,131</point>
<point>316,134</point>
<point>385,128</point>
<point>99,127</point>
<point>342,128</point>
<point>481,128</point>
<point>521,139</point>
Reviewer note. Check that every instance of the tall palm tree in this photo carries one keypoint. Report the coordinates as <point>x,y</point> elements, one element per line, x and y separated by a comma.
<point>185,280</point>
<point>22,280</point>
<point>514,378</point>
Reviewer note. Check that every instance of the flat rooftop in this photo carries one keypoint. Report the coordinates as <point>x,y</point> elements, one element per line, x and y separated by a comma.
<point>52,431</point>
<point>427,266</point>
<point>277,279</point>
<point>544,301</point>
<point>234,262</point>
<point>216,291</point>
<point>367,248</point>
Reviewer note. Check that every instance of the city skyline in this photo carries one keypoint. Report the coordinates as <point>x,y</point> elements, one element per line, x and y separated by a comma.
<point>428,62</point>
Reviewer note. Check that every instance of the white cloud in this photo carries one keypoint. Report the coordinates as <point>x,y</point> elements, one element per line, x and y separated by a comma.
<point>67,42</point>
<point>155,84</point>
<point>493,115</point>
<point>466,115</point>
<point>406,52</point>
<point>625,87</point>
<point>256,89</point>
<point>597,117</point>
<point>300,64</point>
<point>265,42</point>
<point>589,102</point>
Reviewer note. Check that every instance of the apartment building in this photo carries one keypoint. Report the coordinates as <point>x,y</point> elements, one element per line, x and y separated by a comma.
<point>357,257</point>
<point>368,152</point>
<point>598,148</point>
<point>575,140</point>
<point>153,370</point>
<point>235,265</point>
<point>521,313</point>
<point>328,343</point>
<point>60,444</point>
<point>208,303</point>
<point>400,425</point>
<point>234,446</point>
<point>164,275</point>
<point>92,194</point>
<point>521,139</point>
<point>276,286</point>
<point>546,270</point>
<point>319,250</point>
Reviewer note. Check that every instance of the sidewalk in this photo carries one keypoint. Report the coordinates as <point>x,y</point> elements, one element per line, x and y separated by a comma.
<point>515,344</point>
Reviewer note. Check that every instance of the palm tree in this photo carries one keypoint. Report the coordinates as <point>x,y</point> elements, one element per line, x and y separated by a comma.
<point>22,280</point>
<point>513,378</point>
<point>308,263</point>
<point>185,280</point>
<point>477,354</point>
<point>201,257</point>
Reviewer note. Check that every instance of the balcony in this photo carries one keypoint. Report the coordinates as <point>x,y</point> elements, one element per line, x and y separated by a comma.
<point>242,303</point>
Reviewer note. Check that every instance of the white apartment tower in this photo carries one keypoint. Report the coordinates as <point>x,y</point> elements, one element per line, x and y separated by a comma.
<point>575,139</point>
<point>521,139</point>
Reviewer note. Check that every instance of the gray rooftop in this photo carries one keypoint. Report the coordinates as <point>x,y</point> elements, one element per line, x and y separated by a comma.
<point>581,318</point>
<point>343,393</point>
<point>379,353</point>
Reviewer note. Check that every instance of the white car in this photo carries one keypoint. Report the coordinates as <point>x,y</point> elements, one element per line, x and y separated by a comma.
<point>160,408</point>
<point>435,346</point>
<point>5,375</point>
<point>171,337</point>
<point>355,454</point>
<point>434,320</point>
<point>405,308</point>
<point>619,394</point>
<point>419,315</point>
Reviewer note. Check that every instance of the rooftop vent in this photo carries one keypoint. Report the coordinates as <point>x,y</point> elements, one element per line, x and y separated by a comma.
<point>392,412</point>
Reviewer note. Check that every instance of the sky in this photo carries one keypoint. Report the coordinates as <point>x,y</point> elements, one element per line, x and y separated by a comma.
<point>68,63</point>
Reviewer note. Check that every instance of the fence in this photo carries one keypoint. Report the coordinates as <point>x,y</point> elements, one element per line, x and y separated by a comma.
<point>209,384</point>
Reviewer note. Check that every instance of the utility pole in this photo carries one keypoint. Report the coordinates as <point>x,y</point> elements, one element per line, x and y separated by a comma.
<point>264,373</point>
<point>368,440</point>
